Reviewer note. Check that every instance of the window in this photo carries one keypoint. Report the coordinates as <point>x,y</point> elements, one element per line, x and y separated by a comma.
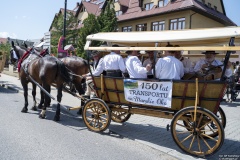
<point>203,1</point>
<point>177,24</point>
<point>148,6</point>
<point>118,13</point>
<point>158,26</point>
<point>209,5</point>
<point>127,29</point>
<point>141,27</point>
<point>215,7</point>
<point>162,3</point>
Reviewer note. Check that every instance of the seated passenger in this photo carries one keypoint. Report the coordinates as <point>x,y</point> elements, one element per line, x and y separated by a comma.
<point>185,61</point>
<point>150,61</point>
<point>210,61</point>
<point>169,67</point>
<point>113,64</point>
<point>134,66</point>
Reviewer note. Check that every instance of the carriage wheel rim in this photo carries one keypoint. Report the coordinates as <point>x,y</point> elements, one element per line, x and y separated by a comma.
<point>193,142</point>
<point>96,115</point>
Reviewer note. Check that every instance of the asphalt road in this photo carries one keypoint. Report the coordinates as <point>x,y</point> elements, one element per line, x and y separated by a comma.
<point>24,136</point>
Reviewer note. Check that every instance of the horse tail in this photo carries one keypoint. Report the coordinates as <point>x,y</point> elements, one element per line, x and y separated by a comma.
<point>64,72</point>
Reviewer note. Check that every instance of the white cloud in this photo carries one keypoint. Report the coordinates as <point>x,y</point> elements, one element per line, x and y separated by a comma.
<point>24,17</point>
<point>6,34</point>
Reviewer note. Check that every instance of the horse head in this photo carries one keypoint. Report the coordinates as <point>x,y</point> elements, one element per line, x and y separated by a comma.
<point>17,50</point>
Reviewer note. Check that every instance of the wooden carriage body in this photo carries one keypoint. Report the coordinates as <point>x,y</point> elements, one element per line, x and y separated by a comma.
<point>194,104</point>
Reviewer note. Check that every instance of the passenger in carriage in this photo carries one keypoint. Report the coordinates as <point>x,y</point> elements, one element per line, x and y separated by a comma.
<point>150,61</point>
<point>210,62</point>
<point>169,67</point>
<point>187,64</point>
<point>113,64</point>
<point>134,66</point>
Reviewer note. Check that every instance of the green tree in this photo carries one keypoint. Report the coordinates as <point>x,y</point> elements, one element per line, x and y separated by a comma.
<point>105,22</point>
<point>91,26</point>
<point>108,19</point>
<point>57,30</point>
<point>5,47</point>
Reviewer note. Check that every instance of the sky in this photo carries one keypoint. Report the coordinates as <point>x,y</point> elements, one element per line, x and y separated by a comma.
<point>30,19</point>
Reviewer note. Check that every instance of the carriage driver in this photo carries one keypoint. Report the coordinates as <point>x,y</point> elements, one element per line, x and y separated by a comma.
<point>211,61</point>
<point>169,67</point>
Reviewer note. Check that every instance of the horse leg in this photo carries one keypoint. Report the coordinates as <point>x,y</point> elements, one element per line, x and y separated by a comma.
<point>34,108</point>
<point>25,88</point>
<point>46,102</point>
<point>41,101</point>
<point>59,99</point>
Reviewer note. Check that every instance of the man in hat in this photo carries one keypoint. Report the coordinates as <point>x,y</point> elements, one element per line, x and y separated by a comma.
<point>169,67</point>
<point>209,61</point>
<point>150,61</point>
<point>134,66</point>
<point>187,64</point>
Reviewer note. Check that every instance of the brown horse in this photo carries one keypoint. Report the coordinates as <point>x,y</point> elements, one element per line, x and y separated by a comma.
<point>44,71</point>
<point>77,67</point>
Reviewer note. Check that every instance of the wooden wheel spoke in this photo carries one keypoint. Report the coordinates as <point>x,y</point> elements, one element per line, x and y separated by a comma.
<point>190,146</point>
<point>103,118</point>
<point>205,135</point>
<point>210,127</point>
<point>186,138</point>
<point>199,145</point>
<point>205,142</point>
<point>184,132</point>
<point>205,124</point>
<point>183,126</point>
<point>199,121</point>
<point>192,117</point>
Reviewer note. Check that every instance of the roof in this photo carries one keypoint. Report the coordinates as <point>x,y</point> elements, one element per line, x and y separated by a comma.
<point>94,7</point>
<point>3,40</point>
<point>135,11</point>
<point>69,47</point>
<point>188,37</point>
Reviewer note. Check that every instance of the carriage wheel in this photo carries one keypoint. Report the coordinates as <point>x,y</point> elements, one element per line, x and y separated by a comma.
<point>120,117</point>
<point>221,117</point>
<point>96,115</point>
<point>191,138</point>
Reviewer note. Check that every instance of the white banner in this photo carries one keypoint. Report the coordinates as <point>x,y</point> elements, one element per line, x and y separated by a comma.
<point>149,93</point>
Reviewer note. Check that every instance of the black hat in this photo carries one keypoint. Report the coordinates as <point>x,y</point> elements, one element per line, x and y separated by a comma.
<point>209,52</point>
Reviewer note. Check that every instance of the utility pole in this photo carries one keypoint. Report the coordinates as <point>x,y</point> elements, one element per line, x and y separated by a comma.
<point>64,23</point>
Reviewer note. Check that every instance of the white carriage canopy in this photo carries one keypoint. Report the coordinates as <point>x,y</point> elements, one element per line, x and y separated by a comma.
<point>189,40</point>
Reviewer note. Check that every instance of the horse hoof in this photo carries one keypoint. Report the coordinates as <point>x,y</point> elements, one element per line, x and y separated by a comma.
<point>34,108</point>
<point>42,116</point>
<point>24,110</point>
<point>39,106</point>
<point>56,118</point>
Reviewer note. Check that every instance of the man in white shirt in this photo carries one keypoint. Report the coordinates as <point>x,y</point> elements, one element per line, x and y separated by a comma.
<point>169,67</point>
<point>150,61</point>
<point>113,64</point>
<point>134,66</point>
<point>187,64</point>
<point>209,61</point>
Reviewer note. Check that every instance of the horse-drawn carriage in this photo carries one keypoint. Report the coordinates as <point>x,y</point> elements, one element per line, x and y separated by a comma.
<point>198,122</point>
